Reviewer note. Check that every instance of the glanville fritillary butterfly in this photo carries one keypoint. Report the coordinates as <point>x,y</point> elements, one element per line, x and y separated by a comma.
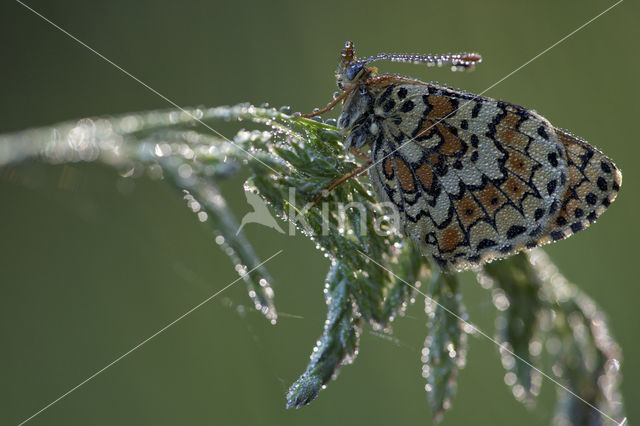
<point>474,178</point>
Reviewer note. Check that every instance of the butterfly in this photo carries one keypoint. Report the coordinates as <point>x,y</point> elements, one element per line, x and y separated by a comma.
<point>473,178</point>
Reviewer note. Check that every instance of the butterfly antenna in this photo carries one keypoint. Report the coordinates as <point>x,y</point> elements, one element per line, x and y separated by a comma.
<point>458,62</point>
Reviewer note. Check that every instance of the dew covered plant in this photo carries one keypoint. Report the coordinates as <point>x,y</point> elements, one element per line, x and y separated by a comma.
<point>545,324</point>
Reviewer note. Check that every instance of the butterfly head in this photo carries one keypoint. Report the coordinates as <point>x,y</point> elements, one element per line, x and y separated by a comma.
<point>351,70</point>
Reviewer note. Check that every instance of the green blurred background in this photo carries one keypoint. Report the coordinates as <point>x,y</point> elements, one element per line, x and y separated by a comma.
<point>92,263</point>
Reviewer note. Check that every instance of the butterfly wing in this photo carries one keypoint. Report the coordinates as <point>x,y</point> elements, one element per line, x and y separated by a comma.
<point>477,179</point>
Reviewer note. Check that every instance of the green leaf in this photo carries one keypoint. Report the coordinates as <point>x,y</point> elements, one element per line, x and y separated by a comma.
<point>584,356</point>
<point>445,347</point>
<point>515,295</point>
<point>338,344</point>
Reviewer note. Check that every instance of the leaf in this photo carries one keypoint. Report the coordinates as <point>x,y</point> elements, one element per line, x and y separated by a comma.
<point>445,347</point>
<point>409,268</point>
<point>338,344</point>
<point>515,295</point>
<point>586,357</point>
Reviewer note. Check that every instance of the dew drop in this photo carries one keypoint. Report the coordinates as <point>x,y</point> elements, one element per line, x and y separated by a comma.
<point>510,379</point>
<point>185,171</point>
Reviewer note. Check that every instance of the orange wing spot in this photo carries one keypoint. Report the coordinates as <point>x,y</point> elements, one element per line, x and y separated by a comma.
<point>510,120</point>
<point>583,189</point>
<point>491,198</point>
<point>434,158</point>
<point>451,237</point>
<point>520,164</point>
<point>425,175</point>
<point>576,150</point>
<point>511,137</point>
<point>593,171</point>
<point>571,143</point>
<point>574,176</point>
<point>514,188</point>
<point>441,107</point>
<point>452,144</point>
<point>388,168</point>
<point>404,175</point>
<point>468,210</point>
<point>427,128</point>
<point>572,205</point>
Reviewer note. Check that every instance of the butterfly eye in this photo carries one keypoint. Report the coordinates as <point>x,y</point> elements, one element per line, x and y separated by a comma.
<point>354,70</point>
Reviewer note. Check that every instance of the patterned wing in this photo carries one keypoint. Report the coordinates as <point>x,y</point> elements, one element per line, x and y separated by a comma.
<point>477,179</point>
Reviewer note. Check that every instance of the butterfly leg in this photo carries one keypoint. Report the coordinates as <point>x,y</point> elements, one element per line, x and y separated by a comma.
<point>355,151</point>
<point>330,105</point>
<point>358,170</point>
